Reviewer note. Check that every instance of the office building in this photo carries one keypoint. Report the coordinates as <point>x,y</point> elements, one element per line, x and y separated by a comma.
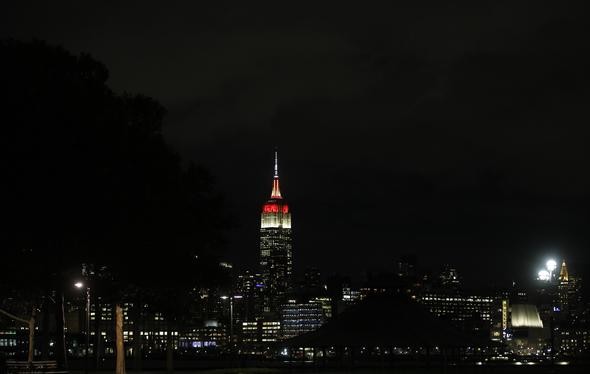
<point>299,318</point>
<point>276,258</point>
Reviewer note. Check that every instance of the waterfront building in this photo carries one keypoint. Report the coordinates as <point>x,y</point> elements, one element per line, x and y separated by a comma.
<point>299,318</point>
<point>204,339</point>
<point>468,312</point>
<point>255,334</point>
<point>527,334</point>
<point>457,307</point>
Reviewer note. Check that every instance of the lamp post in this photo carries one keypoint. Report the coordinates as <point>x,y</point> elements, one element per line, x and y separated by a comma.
<point>80,285</point>
<point>231,317</point>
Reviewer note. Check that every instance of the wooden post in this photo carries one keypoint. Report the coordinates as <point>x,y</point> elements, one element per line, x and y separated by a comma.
<point>31,323</point>
<point>120,351</point>
<point>169,349</point>
<point>137,323</point>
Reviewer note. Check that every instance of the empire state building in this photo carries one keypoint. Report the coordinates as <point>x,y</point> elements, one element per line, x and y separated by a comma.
<point>276,257</point>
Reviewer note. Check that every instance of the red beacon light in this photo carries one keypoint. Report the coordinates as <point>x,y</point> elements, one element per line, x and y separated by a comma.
<point>275,208</point>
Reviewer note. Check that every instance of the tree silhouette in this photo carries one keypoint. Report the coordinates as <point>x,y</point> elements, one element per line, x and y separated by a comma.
<point>88,178</point>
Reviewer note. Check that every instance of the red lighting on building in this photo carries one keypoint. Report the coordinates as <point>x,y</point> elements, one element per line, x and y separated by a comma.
<point>270,208</point>
<point>275,208</point>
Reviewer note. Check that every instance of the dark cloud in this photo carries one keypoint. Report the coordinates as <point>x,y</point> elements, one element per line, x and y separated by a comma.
<point>455,130</point>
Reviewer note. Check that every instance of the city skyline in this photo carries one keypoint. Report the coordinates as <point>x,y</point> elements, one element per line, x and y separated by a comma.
<point>423,129</point>
<point>228,185</point>
<point>525,278</point>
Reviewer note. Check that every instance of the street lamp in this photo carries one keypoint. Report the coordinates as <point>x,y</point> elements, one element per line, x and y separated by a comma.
<point>231,316</point>
<point>80,285</point>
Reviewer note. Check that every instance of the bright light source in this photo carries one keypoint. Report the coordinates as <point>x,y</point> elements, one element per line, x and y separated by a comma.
<point>551,265</point>
<point>238,297</point>
<point>544,275</point>
<point>224,297</point>
<point>79,284</point>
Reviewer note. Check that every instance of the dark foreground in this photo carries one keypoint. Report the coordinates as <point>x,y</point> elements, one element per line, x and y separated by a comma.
<point>571,369</point>
<point>278,367</point>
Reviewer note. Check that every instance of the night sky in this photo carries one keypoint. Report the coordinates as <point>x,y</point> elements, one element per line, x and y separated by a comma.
<point>457,131</point>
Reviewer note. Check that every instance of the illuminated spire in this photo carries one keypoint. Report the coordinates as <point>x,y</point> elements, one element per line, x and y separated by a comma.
<point>276,164</point>
<point>563,273</point>
<point>276,192</point>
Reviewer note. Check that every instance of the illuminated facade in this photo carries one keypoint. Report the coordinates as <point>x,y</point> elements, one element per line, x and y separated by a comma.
<point>210,336</point>
<point>326,304</point>
<point>572,323</point>
<point>250,287</point>
<point>259,332</point>
<point>276,258</point>
<point>469,312</point>
<point>569,294</point>
<point>299,318</point>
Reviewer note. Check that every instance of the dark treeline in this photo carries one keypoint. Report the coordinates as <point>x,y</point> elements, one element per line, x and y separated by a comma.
<point>87,178</point>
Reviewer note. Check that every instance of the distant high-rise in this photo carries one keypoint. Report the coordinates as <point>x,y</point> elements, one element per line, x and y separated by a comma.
<point>406,266</point>
<point>449,278</point>
<point>250,287</point>
<point>569,295</point>
<point>312,283</point>
<point>276,258</point>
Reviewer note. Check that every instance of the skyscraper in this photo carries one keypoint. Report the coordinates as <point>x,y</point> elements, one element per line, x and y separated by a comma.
<point>569,295</point>
<point>276,258</point>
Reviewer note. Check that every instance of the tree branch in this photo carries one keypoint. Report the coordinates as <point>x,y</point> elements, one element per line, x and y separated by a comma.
<point>9,315</point>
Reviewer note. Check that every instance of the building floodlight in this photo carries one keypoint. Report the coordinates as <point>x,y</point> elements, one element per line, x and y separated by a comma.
<point>78,284</point>
<point>544,275</point>
<point>551,265</point>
